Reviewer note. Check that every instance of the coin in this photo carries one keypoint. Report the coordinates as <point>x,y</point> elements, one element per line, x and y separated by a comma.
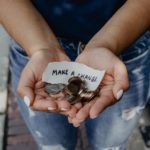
<point>72,89</point>
<point>75,85</point>
<point>75,79</point>
<point>72,99</point>
<point>52,89</point>
<point>89,95</point>
<point>69,98</point>
<point>75,91</point>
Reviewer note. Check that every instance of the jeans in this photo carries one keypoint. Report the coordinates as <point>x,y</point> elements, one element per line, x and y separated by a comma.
<point>111,129</point>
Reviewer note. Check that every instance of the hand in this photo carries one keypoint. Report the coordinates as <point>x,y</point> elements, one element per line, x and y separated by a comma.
<point>31,87</point>
<point>114,83</point>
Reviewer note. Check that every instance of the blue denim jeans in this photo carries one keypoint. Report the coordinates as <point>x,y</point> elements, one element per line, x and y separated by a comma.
<point>111,129</point>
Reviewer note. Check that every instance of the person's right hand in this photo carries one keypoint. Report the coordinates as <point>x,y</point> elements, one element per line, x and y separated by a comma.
<point>31,87</point>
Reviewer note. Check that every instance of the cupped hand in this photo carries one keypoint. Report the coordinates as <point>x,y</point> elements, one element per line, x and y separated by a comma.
<point>112,86</point>
<point>31,87</point>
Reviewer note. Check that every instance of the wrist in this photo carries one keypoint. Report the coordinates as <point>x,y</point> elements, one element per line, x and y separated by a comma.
<point>48,50</point>
<point>111,46</point>
<point>47,54</point>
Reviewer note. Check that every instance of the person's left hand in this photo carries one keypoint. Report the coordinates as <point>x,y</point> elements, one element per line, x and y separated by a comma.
<point>114,83</point>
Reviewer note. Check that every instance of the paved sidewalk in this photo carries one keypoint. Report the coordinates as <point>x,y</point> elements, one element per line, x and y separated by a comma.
<point>3,82</point>
<point>17,135</point>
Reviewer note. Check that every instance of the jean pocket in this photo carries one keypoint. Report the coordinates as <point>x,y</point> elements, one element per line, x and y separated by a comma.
<point>18,58</point>
<point>137,94</point>
<point>139,67</point>
<point>139,77</point>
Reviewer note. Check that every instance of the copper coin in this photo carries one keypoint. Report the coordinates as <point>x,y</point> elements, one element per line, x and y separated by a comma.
<point>74,86</point>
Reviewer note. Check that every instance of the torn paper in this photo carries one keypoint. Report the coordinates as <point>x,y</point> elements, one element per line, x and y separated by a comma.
<point>60,72</point>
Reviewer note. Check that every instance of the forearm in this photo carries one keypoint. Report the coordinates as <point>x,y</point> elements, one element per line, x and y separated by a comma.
<point>26,26</point>
<point>127,24</point>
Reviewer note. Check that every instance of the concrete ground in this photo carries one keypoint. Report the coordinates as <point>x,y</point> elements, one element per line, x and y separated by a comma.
<point>14,134</point>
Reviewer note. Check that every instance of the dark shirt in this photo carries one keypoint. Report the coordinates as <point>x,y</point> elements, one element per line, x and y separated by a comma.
<point>77,19</point>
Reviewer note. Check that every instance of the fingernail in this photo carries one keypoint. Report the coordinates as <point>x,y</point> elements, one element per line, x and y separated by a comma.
<point>27,101</point>
<point>119,94</point>
<point>51,108</point>
<point>93,117</point>
<point>63,109</point>
<point>70,122</point>
<point>81,120</point>
<point>76,125</point>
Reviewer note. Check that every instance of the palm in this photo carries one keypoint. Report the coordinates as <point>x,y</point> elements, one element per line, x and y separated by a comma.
<point>31,86</point>
<point>43,100</point>
<point>106,89</point>
<point>115,79</point>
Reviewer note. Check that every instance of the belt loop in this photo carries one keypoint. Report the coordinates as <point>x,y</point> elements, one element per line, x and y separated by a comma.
<point>80,48</point>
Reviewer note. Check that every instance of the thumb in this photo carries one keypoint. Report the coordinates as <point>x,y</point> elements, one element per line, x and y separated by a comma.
<point>26,87</point>
<point>121,80</point>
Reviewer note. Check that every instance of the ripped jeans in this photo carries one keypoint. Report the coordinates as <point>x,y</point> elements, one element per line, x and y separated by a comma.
<point>111,129</point>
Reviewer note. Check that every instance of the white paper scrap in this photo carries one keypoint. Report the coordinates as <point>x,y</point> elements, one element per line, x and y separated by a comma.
<point>60,72</point>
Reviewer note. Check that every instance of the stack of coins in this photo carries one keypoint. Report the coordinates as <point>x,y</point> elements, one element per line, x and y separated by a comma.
<point>75,91</point>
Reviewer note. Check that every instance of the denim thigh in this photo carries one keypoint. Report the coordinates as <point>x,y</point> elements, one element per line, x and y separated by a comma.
<point>111,129</point>
<point>51,131</point>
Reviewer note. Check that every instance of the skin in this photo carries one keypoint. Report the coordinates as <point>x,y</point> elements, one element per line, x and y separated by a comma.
<point>126,25</point>
<point>40,43</point>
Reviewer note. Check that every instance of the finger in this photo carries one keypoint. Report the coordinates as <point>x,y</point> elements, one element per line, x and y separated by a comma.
<point>83,113</point>
<point>72,112</point>
<point>65,113</point>
<point>39,85</point>
<point>76,125</point>
<point>44,105</point>
<point>25,88</point>
<point>100,104</point>
<point>80,58</point>
<point>76,122</point>
<point>78,105</point>
<point>63,105</point>
<point>121,80</point>
<point>50,98</point>
<point>41,92</point>
<point>37,97</point>
<point>69,119</point>
<point>60,95</point>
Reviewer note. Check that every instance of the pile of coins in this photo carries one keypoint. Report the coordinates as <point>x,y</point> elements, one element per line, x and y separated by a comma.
<point>75,91</point>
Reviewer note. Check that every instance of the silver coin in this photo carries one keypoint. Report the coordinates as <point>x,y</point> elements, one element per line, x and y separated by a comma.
<point>54,88</point>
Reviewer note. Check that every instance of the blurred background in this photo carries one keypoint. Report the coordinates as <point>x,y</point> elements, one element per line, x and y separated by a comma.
<point>14,134</point>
